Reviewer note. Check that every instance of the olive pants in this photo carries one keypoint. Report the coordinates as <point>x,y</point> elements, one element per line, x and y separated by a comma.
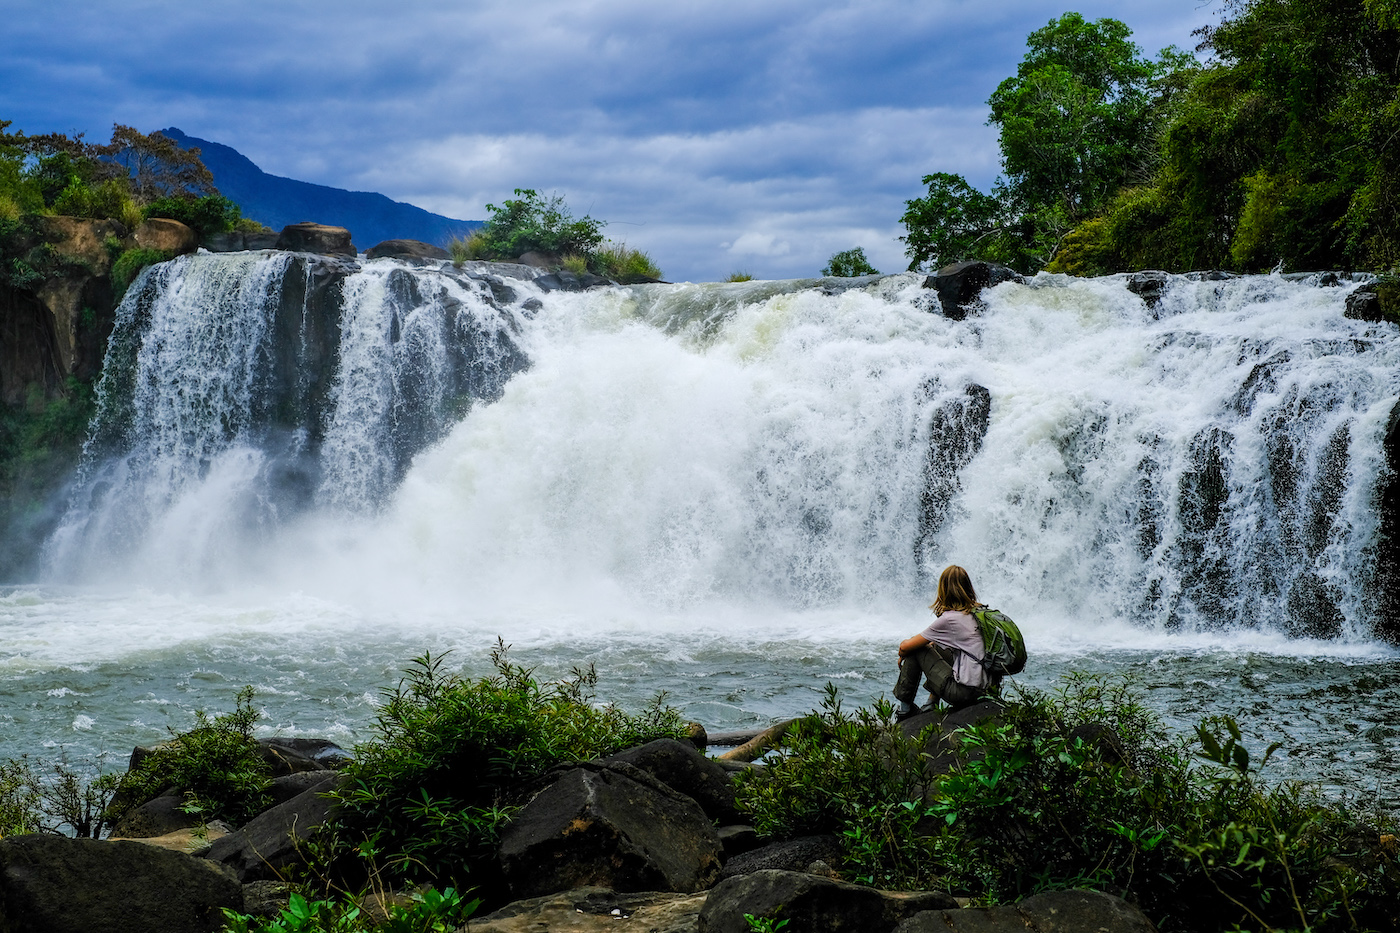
<point>935,663</point>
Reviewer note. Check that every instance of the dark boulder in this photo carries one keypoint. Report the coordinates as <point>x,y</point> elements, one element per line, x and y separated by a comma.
<point>1051,912</point>
<point>53,884</point>
<point>941,748</point>
<point>406,249</point>
<point>1376,303</point>
<point>316,238</point>
<point>798,854</point>
<point>1385,619</point>
<point>1149,286</point>
<point>598,826</point>
<point>679,766</point>
<point>266,899</point>
<point>596,910</point>
<point>737,839</point>
<point>289,786</point>
<point>812,904</point>
<point>959,286</point>
<point>956,431</point>
<point>565,281</point>
<point>274,841</point>
<point>322,751</point>
<point>155,818</point>
<point>234,241</point>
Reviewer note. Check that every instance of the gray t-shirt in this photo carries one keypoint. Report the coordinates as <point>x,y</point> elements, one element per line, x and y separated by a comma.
<point>957,629</point>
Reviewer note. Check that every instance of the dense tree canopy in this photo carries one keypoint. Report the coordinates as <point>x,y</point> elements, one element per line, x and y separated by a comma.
<point>1282,149</point>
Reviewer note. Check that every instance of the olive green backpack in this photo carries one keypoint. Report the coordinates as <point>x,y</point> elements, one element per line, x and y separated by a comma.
<point>1006,649</point>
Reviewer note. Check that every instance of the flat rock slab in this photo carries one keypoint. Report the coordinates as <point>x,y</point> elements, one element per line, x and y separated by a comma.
<point>53,884</point>
<point>274,842</point>
<point>680,766</point>
<point>1051,912</point>
<point>813,904</point>
<point>585,910</point>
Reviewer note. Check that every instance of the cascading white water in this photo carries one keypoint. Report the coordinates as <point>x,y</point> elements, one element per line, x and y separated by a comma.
<point>304,473</point>
<point>1210,463</point>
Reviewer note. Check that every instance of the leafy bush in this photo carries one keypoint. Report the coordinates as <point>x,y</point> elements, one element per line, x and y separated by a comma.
<point>20,810</point>
<point>430,793</point>
<point>207,215</point>
<point>531,221</point>
<point>106,199</point>
<point>1045,799</point>
<point>129,265</point>
<point>849,263</point>
<point>31,803</point>
<point>853,776</point>
<point>430,911</point>
<point>739,277</point>
<point>217,765</point>
<point>623,264</point>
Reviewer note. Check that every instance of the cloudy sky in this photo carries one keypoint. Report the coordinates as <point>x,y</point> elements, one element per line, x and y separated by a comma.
<point>719,136</point>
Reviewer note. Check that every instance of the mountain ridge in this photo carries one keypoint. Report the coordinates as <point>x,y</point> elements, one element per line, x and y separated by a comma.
<point>278,201</point>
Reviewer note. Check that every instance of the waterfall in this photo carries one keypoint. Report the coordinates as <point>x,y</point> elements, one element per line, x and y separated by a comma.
<point>1211,460</point>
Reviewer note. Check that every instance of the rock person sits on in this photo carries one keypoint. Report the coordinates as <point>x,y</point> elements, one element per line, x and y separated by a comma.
<point>947,654</point>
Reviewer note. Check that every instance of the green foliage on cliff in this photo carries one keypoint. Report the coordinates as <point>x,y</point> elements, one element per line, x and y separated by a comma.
<point>1281,149</point>
<point>531,222</point>
<point>432,790</point>
<point>129,265</point>
<point>1046,797</point>
<point>212,213</point>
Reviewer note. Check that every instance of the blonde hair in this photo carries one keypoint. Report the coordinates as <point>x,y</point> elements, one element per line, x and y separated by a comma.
<point>955,591</point>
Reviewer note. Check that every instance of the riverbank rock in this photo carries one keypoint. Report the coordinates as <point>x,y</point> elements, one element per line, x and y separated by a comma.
<point>1052,912</point>
<point>563,280</point>
<point>272,843</point>
<point>53,884</point>
<point>959,286</point>
<point>310,237</point>
<point>406,249</point>
<point>598,826</point>
<point>155,818</point>
<point>679,766</point>
<point>165,234</point>
<point>1385,618</point>
<point>594,910</point>
<point>799,854</point>
<point>812,904</point>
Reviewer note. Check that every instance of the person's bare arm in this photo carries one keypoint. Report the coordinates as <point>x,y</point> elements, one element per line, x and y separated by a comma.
<point>910,645</point>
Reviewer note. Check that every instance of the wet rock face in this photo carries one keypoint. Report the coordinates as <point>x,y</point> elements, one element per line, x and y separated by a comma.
<point>956,431</point>
<point>959,286</point>
<point>1386,619</point>
<point>598,826</point>
<point>165,234</point>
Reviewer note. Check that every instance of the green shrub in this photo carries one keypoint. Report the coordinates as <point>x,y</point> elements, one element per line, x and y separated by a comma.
<point>621,263</point>
<point>110,199</point>
<point>849,263</point>
<point>1196,838</point>
<point>475,246</point>
<point>532,222</point>
<point>217,765</point>
<point>574,263</point>
<point>430,793</point>
<point>249,225</point>
<point>852,776</point>
<point>739,277</point>
<point>20,802</point>
<point>205,216</point>
<point>129,265</point>
<point>430,911</point>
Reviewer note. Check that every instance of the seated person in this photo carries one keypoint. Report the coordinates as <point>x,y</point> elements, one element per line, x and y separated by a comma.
<point>948,653</point>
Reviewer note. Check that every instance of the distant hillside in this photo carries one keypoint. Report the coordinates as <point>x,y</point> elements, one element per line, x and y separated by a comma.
<point>371,218</point>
